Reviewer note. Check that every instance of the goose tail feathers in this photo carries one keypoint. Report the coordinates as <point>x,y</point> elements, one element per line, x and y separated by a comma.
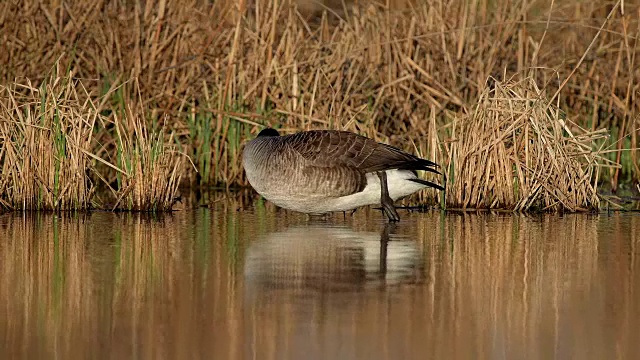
<point>421,164</point>
<point>428,183</point>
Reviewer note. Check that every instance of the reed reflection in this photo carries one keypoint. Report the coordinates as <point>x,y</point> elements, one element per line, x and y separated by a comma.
<point>455,287</point>
<point>268,285</point>
<point>117,287</point>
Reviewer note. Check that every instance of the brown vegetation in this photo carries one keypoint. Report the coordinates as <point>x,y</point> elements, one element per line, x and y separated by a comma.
<point>46,135</point>
<point>405,72</point>
<point>517,152</point>
<point>51,153</point>
<point>152,166</point>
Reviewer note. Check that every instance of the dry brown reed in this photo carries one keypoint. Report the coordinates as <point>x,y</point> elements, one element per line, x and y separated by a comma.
<point>398,71</point>
<point>46,135</point>
<point>152,165</point>
<point>49,137</point>
<point>515,152</point>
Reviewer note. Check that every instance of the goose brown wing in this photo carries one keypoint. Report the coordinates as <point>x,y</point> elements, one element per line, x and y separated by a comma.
<point>327,148</point>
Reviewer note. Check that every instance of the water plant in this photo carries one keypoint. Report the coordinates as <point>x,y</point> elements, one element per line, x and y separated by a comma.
<point>46,135</point>
<point>152,166</point>
<point>517,152</point>
<point>51,147</point>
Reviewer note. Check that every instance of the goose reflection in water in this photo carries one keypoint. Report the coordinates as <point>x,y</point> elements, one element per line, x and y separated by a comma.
<point>327,292</point>
<point>331,259</point>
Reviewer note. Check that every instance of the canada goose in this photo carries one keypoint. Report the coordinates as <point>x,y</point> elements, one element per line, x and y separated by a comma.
<point>321,171</point>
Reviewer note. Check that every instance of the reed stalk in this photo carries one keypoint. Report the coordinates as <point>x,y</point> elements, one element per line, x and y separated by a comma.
<point>152,165</point>
<point>514,152</point>
<point>46,137</point>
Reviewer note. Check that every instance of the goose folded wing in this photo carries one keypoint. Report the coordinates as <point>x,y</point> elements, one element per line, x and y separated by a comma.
<point>341,148</point>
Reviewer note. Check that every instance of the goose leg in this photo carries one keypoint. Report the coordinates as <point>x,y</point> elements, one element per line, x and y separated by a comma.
<point>385,200</point>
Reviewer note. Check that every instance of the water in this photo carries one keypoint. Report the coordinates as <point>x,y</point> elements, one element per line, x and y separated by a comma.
<point>259,284</point>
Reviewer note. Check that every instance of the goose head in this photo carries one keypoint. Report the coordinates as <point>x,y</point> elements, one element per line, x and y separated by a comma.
<point>268,132</point>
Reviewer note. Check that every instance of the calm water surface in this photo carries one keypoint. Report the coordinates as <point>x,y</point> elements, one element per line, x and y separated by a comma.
<point>259,284</point>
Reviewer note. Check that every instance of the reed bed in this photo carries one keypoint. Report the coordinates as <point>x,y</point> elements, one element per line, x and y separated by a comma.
<point>517,152</point>
<point>53,137</point>
<point>46,135</point>
<point>152,166</point>
<point>403,72</point>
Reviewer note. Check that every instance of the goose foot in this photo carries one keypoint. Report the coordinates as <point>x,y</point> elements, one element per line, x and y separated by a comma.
<point>385,200</point>
<point>344,213</point>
